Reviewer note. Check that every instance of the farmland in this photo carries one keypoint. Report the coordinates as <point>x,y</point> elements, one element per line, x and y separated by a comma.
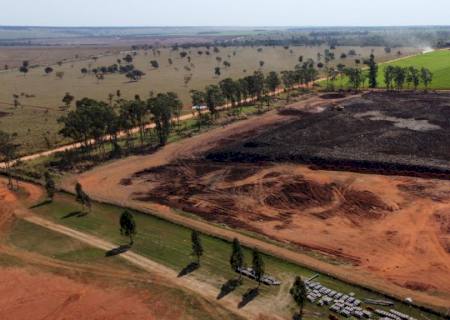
<point>437,62</point>
<point>34,123</point>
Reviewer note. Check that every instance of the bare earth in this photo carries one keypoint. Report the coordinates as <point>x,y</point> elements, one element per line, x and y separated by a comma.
<point>392,231</point>
<point>35,290</point>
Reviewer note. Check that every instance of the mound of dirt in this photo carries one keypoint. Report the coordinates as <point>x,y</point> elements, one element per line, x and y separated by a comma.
<point>226,192</point>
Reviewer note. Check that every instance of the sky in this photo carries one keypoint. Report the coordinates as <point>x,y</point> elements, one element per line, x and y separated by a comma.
<point>224,13</point>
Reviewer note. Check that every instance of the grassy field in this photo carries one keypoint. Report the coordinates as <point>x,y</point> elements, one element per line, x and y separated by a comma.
<point>438,62</point>
<point>40,95</point>
<point>169,244</point>
<point>35,239</point>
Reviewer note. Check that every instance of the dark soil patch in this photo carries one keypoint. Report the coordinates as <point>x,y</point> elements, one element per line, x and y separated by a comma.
<point>376,133</point>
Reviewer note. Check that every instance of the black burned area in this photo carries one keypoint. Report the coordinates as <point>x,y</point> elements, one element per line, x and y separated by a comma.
<point>340,138</point>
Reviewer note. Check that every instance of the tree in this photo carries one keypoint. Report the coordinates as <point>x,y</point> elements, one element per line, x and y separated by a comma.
<point>154,64</point>
<point>272,81</point>
<point>88,123</point>
<point>127,225</point>
<point>389,76</point>
<point>261,64</point>
<point>197,248</point>
<point>413,77</point>
<point>229,90</point>
<point>355,77</point>
<point>128,58</point>
<point>257,266</point>
<point>7,154</point>
<point>298,293</point>
<point>214,98</point>
<point>135,75</point>
<point>217,71</point>
<point>237,257</point>
<point>82,198</point>
<point>399,77</point>
<point>288,78</point>
<point>84,71</point>
<point>162,107</point>
<point>50,186</point>
<point>24,70</point>
<point>426,76</point>
<point>67,99</point>
<point>198,99</point>
<point>48,70</point>
<point>373,72</point>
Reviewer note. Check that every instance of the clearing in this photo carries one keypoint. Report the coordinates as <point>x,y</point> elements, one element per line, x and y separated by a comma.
<point>335,213</point>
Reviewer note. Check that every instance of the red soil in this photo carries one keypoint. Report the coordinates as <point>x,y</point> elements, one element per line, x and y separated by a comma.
<point>394,230</point>
<point>26,295</point>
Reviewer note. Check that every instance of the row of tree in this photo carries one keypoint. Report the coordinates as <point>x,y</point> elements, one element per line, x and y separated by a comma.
<point>395,77</point>
<point>237,260</point>
<point>93,123</point>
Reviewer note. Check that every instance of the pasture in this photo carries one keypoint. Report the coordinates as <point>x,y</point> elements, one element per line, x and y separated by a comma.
<point>438,62</point>
<point>34,120</point>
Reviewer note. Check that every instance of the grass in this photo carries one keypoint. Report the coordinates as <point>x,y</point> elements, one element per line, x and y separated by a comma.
<point>32,125</point>
<point>169,244</point>
<point>438,62</point>
<point>29,237</point>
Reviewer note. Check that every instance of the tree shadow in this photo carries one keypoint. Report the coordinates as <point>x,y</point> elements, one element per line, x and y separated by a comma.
<point>248,297</point>
<point>296,316</point>
<point>191,267</point>
<point>77,214</point>
<point>228,287</point>
<point>116,251</point>
<point>40,204</point>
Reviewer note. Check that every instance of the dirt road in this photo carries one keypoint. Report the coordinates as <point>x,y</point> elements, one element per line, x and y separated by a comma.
<point>252,311</point>
<point>78,145</point>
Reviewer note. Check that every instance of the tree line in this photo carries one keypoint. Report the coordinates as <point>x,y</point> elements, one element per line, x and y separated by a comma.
<point>394,77</point>
<point>94,123</point>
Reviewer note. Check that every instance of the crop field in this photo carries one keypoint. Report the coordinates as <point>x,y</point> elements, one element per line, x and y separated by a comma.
<point>34,121</point>
<point>438,62</point>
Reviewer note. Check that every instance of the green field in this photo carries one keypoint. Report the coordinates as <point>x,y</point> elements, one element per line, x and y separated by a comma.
<point>438,62</point>
<point>40,95</point>
<point>169,244</point>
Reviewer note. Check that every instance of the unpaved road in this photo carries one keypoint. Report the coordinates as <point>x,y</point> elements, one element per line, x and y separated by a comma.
<point>78,145</point>
<point>251,311</point>
<point>50,288</point>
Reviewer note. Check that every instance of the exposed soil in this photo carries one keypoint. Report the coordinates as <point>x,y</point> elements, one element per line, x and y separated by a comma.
<point>385,226</point>
<point>48,296</point>
<point>393,133</point>
<point>49,288</point>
